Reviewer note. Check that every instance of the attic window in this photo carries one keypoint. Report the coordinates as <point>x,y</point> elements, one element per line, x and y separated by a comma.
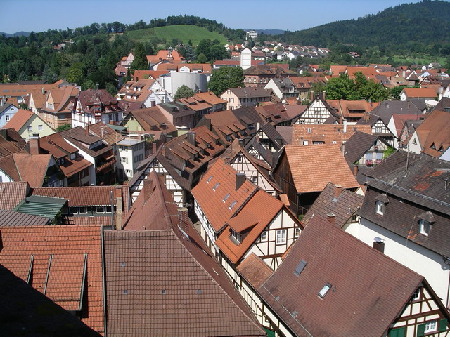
<point>236,236</point>
<point>425,221</point>
<point>226,197</point>
<point>298,270</point>
<point>232,204</point>
<point>215,186</point>
<point>209,179</point>
<point>323,292</point>
<point>379,207</point>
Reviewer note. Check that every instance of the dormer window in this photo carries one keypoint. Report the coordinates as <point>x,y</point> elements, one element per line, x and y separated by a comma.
<point>425,221</point>
<point>236,236</point>
<point>380,204</point>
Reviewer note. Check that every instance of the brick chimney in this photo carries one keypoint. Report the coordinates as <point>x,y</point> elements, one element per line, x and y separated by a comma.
<point>240,179</point>
<point>34,145</point>
<point>191,137</point>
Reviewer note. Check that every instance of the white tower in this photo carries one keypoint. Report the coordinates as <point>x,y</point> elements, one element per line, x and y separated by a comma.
<point>246,59</point>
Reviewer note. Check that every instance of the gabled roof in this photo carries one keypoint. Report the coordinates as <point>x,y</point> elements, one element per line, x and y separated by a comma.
<point>273,113</point>
<point>369,302</point>
<point>420,92</point>
<point>434,133</point>
<point>414,184</point>
<point>336,203</point>
<point>97,101</point>
<point>152,119</point>
<point>20,118</point>
<point>186,156</point>
<point>225,123</point>
<point>191,296</point>
<point>211,191</point>
<point>357,145</point>
<point>352,108</point>
<point>250,92</point>
<point>254,270</point>
<point>102,130</point>
<point>386,109</point>
<point>62,262</point>
<point>11,194</point>
<point>26,167</point>
<point>61,98</point>
<point>10,142</point>
<point>250,221</point>
<point>327,133</point>
<point>82,139</point>
<point>314,166</point>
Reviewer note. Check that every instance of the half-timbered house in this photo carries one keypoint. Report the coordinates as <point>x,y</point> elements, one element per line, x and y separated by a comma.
<point>318,112</point>
<point>233,223</point>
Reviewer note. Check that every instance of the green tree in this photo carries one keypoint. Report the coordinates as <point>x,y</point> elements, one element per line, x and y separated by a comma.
<point>184,92</point>
<point>201,58</point>
<point>63,127</point>
<point>340,88</point>
<point>140,59</point>
<point>226,77</point>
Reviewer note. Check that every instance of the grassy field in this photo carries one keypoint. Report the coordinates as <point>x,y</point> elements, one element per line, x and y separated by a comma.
<point>181,32</point>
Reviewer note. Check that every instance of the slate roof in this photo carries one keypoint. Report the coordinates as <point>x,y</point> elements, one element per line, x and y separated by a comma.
<point>273,113</point>
<point>11,194</point>
<point>58,255</point>
<point>314,166</point>
<point>250,92</point>
<point>357,145</point>
<point>97,101</point>
<point>336,202</point>
<point>10,142</point>
<point>368,303</point>
<point>386,109</point>
<point>172,287</point>
<point>414,185</point>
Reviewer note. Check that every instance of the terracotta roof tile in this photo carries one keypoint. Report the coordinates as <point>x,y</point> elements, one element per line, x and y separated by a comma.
<point>19,119</point>
<point>83,196</point>
<point>254,270</point>
<point>211,194</point>
<point>57,256</point>
<point>420,92</point>
<point>32,167</point>
<point>314,166</point>
<point>11,194</point>
<point>434,133</point>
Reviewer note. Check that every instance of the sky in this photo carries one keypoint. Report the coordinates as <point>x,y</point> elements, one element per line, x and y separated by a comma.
<point>41,15</point>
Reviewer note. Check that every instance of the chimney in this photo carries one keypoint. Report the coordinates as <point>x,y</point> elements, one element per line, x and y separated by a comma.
<point>87,128</point>
<point>378,244</point>
<point>191,137</point>
<point>311,95</point>
<point>119,213</point>
<point>241,142</point>
<point>344,121</point>
<point>355,170</point>
<point>240,179</point>
<point>324,95</point>
<point>147,188</point>
<point>35,145</point>
<point>343,148</point>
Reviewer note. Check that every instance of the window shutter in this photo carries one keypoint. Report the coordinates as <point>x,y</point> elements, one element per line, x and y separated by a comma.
<point>398,332</point>
<point>442,325</point>
<point>421,330</point>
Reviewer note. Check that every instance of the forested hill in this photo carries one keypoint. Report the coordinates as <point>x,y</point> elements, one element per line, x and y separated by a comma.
<point>408,27</point>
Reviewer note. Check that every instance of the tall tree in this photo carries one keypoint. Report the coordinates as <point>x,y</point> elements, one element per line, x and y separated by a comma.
<point>184,92</point>
<point>226,77</point>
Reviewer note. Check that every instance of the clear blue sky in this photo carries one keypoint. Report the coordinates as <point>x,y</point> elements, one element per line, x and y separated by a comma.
<point>40,15</point>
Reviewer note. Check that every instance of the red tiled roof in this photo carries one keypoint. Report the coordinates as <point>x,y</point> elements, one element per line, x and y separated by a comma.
<point>83,196</point>
<point>57,255</point>
<point>212,201</point>
<point>314,166</point>
<point>420,92</point>
<point>434,133</point>
<point>327,133</point>
<point>254,270</point>
<point>32,167</point>
<point>11,194</point>
<point>251,219</point>
<point>19,119</point>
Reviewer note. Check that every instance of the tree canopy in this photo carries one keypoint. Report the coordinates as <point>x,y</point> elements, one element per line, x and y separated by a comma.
<point>184,92</point>
<point>226,77</point>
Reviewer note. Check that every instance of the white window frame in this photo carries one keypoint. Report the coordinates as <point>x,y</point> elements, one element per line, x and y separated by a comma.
<point>379,207</point>
<point>424,227</point>
<point>281,237</point>
<point>431,326</point>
